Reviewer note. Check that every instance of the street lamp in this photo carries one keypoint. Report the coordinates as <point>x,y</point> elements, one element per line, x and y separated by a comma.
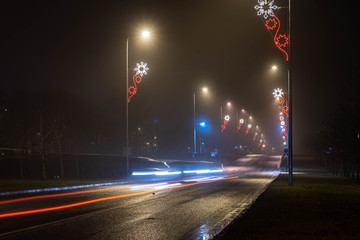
<point>266,10</point>
<point>204,90</point>
<point>145,35</point>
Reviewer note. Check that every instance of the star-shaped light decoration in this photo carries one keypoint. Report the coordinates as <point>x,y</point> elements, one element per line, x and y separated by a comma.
<point>227,118</point>
<point>271,24</point>
<point>282,40</point>
<point>265,8</point>
<point>278,93</point>
<point>141,69</point>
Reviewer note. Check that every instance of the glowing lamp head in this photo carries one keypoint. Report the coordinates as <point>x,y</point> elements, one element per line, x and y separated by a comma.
<point>274,67</point>
<point>205,89</point>
<point>202,124</point>
<point>227,118</point>
<point>229,104</point>
<point>145,34</point>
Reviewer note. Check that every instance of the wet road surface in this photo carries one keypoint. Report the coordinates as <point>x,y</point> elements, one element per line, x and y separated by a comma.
<point>186,207</point>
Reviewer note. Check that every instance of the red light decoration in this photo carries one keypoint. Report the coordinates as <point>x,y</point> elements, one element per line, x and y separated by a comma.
<point>226,121</point>
<point>281,40</point>
<point>239,126</point>
<point>223,127</point>
<point>284,108</point>
<point>271,24</point>
<point>255,135</point>
<point>133,89</point>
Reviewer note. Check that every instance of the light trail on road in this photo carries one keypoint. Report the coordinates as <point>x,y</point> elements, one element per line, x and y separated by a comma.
<point>66,206</point>
<point>87,191</point>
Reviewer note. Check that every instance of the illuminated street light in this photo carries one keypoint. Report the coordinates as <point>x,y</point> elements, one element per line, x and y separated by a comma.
<point>136,79</point>
<point>274,67</point>
<point>204,90</point>
<point>228,104</point>
<point>145,34</point>
<point>265,9</point>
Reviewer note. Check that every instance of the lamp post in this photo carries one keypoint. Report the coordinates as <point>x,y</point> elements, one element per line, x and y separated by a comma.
<point>266,9</point>
<point>204,90</point>
<point>145,35</point>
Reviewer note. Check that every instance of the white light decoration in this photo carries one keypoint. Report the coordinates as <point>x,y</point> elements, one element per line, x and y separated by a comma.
<point>281,118</point>
<point>282,122</point>
<point>227,118</point>
<point>278,93</point>
<point>265,8</point>
<point>241,121</point>
<point>249,126</point>
<point>141,69</point>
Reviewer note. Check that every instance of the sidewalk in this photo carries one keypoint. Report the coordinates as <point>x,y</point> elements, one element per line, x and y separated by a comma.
<point>317,206</point>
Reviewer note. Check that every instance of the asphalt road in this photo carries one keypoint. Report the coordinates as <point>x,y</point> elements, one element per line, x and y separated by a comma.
<point>185,207</point>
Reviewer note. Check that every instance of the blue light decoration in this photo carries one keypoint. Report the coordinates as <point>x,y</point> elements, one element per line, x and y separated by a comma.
<point>202,124</point>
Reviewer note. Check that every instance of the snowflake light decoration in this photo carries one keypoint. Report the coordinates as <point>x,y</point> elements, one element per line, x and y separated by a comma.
<point>227,118</point>
<point>141,69</point>
<point>265,8</point>
<point>278,93</point>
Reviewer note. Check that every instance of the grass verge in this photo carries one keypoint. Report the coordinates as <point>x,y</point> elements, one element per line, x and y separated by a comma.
<point>315,207</point>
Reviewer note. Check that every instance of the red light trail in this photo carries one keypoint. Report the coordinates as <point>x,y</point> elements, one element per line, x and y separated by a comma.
<point>66,206</point>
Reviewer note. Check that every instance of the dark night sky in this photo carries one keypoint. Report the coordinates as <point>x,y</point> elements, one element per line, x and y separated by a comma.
<point>79,47</point>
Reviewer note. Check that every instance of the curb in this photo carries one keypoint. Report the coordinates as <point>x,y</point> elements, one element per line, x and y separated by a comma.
<point>237,212</point>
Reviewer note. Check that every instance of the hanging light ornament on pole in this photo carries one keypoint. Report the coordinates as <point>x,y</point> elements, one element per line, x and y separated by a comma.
<point>141,70</point>
<point>226,121</point>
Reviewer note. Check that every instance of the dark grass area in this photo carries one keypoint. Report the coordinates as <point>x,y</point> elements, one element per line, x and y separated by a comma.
<point>315,207</point>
